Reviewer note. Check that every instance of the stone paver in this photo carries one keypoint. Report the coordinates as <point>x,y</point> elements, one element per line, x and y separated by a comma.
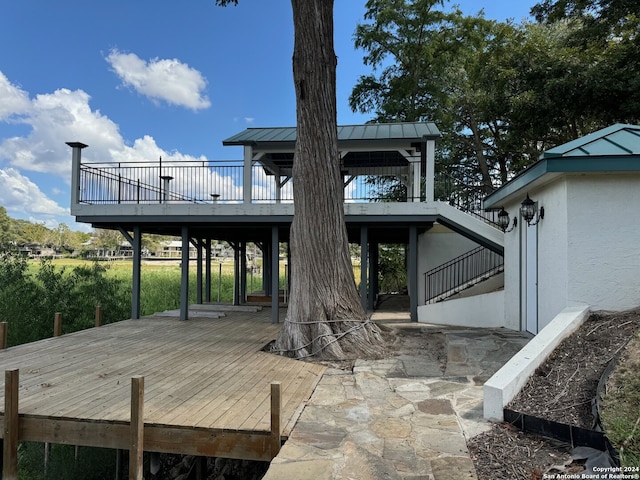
<point>404,418</point>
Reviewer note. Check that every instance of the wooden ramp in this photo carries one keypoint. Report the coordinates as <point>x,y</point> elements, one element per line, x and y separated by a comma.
<point>206,386</point>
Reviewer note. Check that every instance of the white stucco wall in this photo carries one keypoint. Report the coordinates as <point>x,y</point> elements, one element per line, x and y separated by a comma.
<point>480,311</point>
<point>604,241</point>
<point>437,246</point>
<point>588,246</point>
<point>552,257</point>
<point>553,248</point>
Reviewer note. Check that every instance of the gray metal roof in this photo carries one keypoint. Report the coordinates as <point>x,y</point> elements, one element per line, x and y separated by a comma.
<point>374,132</point>
<point>612,149</point>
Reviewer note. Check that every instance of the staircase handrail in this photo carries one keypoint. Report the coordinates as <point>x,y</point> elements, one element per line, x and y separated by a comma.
<point>465,197</point>
<point>461,272</point>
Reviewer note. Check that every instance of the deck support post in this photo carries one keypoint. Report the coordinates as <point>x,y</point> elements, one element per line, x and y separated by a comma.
<point>137,268</point>
<point>207,270</point>
<point>184,281</point>
<point>136,244</point>
<point>11,419</point>
<point>276,402</point>
<point>201,468</point>
<point>57,324</point>
<point>4,328</point>
<point>47,455</point>
<point>412,274</point>
<point>266,267</point>
<point>364,263</point>
<point>236,272</point>
<point>373,274</point>
<point>243,271</point>
<point>199,244</point>
<point>275,275</point>
<point>98,316</point>
<point>118,475</point>
<point>137,428</point>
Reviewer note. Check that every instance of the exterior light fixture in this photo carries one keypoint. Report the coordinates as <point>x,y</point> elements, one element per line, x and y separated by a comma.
<point>503,221</point>
<point>529,209</point>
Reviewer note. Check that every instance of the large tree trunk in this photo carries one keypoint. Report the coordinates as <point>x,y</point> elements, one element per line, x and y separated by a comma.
<point>324,317</point>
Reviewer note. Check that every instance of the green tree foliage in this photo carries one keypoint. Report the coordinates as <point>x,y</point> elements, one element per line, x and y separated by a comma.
<point>29,300</point>
<point>5,227</point>
<point>501,93</point>
<point>609,30</point>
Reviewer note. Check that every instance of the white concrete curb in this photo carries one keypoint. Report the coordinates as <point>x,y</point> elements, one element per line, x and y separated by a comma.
<point>505,384</point>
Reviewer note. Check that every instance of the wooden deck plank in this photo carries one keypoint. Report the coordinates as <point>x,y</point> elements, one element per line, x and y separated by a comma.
<point>202,375</point>
<point>245,402</point>
<point>231,378</point>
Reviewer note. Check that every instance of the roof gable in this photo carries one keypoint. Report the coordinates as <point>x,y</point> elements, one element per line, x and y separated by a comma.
<point>610,150</point>
<point>619,139</point>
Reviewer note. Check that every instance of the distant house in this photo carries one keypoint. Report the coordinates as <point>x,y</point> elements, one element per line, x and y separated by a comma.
<point>35,250</point>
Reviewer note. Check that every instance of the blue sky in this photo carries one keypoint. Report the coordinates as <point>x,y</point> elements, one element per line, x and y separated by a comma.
<point>139,79</point>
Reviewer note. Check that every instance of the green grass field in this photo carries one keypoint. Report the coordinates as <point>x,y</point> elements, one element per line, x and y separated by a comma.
<point>160,280</point>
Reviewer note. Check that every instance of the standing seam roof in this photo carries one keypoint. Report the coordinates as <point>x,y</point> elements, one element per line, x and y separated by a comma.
<point>416,131</point>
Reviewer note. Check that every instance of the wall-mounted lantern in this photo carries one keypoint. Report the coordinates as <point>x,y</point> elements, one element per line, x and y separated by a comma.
<point>503,221</point>
<point>529,209</point>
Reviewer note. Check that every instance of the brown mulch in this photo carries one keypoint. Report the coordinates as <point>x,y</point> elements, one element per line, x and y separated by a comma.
<point>561,390</point>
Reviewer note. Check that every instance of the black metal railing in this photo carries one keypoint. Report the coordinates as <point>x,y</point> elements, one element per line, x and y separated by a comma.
<point>461,273</point>
<point>467,197</point>
<point>208,182</point>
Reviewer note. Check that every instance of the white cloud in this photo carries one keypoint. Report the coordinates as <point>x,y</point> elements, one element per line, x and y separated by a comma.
<point>161,79</point>
<point>20,195</point>
<point>65,115</point>
<point>13,100</point>
<point>54,118</point>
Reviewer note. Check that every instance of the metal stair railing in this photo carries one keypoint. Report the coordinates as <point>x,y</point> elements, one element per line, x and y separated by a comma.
<point>461,273</point>
<point>465,197</point>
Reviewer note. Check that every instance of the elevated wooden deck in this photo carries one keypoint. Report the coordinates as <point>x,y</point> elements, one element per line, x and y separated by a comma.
<point>207,385</point>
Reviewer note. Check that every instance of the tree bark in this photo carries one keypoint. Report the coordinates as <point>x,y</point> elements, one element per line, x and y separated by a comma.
<point>324,317</point>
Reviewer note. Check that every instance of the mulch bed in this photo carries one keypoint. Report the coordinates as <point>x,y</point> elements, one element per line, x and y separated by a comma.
<point>561,390</point>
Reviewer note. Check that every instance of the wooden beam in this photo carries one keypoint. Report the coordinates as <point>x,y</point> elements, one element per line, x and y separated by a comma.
<point>276,404</point>
<point>239,444</point>
<point>57,324</point>
<point>11,430</point>
<point>136,447</point>
<point>4,328</point>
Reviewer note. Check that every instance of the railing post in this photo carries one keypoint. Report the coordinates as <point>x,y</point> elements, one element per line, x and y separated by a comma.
<point>98,322</point>
<point>3,335</point>
<point>76,160</point>
<point>136,446</point>
<point>57,324</point>
<point>165,186</point>
<point>276,402</point>
<point>11,419</point>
